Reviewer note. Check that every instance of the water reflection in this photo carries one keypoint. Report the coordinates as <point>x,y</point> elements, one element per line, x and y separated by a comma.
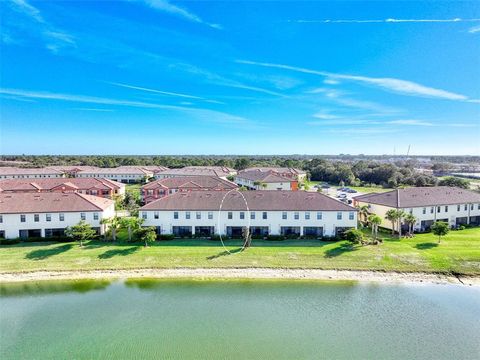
<point>51,287</point>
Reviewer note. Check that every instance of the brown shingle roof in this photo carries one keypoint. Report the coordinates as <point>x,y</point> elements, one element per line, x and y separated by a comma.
<point>219,171</point>
<point>51,202</point>
<point>193,182</point>
<point>257,201</point>
<point>52,183</point>
<point>280,170</point>
<point>421,196</point>
<point>7,170</point>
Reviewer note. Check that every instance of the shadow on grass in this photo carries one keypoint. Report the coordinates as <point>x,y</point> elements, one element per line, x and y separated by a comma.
<point>46,253</point>
<point>118,252</point>
<point>339,250</point>
<point>224,253</point>
<point>426,246</point>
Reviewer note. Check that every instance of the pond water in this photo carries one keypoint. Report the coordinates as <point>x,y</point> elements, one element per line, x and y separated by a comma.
<point>158,319</point>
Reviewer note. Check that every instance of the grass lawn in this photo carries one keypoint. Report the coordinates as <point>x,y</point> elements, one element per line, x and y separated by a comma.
<point>361,189</point>
<point>459,252</point>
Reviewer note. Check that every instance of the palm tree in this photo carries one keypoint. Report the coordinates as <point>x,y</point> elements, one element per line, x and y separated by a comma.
<point>410,220</point>
<point>363,211</point>
<point>113,224</point>
<point>395,216</point>
<point>131,224</point>
<point>374,221</point>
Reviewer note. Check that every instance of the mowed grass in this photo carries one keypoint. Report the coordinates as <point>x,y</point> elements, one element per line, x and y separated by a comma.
<point>458,252</point>
<point>361,189</point>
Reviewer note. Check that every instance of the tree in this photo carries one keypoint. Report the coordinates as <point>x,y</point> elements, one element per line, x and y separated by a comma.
<point>410,220</point>
<point>80,232</point>
<point>363,211</point>
<point>247,237</point>
<point>131,224</point>
<point>395,216</point>
<point>354,236</point>
<point>375,221</point>
<point>147,234</point>
<point>440,228</point>
<point>454,181</point>
<point>112,224</point>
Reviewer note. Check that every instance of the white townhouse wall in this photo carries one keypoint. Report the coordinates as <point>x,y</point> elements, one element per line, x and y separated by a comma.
<point>48,214</point>
<point>270,212</point>
<point>124,174</point>
<point>428,204</point>
<point>265,181</point>
<point>29,173</point>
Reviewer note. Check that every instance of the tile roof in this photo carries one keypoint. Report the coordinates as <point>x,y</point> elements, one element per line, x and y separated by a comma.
<point>51,202</point>
<point>280,170</point>
<point>191,182</point>
<point>257,201</point>
<point>266,177</point>
<point>218,171</point>
<point>121,170</point>
<point>9,170</point>
<point>421,196</point>
<point>52,183</point>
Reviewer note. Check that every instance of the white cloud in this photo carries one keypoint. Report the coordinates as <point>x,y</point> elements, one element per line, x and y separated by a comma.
<point>154,90</point>
<point>93,109</point>
<point>390,20</point>
<point>411,122</point>
<point>325,116</point>
<point>167,6</point>
<point>404,87</point>
<point>331,81</point>
<point>474,29</point>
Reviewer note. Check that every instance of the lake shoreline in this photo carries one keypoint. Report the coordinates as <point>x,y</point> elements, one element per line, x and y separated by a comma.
<point>247,274</point>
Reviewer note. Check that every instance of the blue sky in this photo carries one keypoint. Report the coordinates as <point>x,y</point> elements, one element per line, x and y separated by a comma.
<point>207,77</point>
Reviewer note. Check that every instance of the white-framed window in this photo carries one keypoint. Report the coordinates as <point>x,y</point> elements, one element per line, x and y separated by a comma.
<point>175,214</point>
<point>296,215</point>
<point>1,219</point>
<point>242,215</point>
<point>307,215</point>
<point>264,215</point>
<point>319,215</point>
<point>36,217</point>
<point>351,215</point>
<point>471,207</point>
<point>23,218</point>
<point>210,215</point>
<point>458,207</point>
<point>465,207</point>
<point>284,215</point>
<point>144,215</point>
<point>61,217</point>
<point>438,209</point>
<point>431,210</point>
<point>446,208</point>
<point>339,215</point>
<point>252,215</point>
<point>230,215</point>
<point>83,216</point>
<point>424,211</point>
<point>198,215</point>
<point>187,215</point>
<point>155,215</point>
<point>95,216</point>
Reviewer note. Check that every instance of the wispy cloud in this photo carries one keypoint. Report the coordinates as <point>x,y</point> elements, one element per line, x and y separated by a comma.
<point>198,113</point>
<point>411,122</point>
<point>94,109</point>
<point>168,7</point>
<point>390,20</point>
<point>474,29</point>
<point>404,87</point>
<point>54,38</point>
<point>154,90</point>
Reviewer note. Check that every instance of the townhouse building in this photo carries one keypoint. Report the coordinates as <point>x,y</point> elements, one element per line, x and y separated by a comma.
<point>123,174</point>
<point>452,205</point>
<point>163,187</point>
<point>259,180</point>
<point>24,215</point>
<point>89,186</point>
<point>206,213</point>
<point>9,172</point>
<point>218,171</point>
<point>292,173</point>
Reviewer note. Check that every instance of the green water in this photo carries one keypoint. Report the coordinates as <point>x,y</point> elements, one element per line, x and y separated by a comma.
<point>238,320</point>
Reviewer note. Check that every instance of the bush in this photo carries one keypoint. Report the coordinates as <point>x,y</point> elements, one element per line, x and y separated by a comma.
<point>354,236</point>
<point>166,237</point>
<point>330,238</point>
<point>9,241</point>
<point>215,237</point>
<point>48,239</point>
<point>292,236</point>
<point>275,237</point>
<point>258,237</point>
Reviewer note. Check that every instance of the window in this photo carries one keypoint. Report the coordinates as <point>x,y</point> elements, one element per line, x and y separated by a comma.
<point>252,215</point>
<point>1,219</point>
<point>458,207</point>
<point>22,218</point>
<point>465,207</point>
<point>155,215</point>
<point>284,215</point>
<point>296,215</point>
<point>210,215</point>
<point>36,217</point>
<point>198,215</point>
<point>478,206</point>
<point>242,215</point>
<point>144,215</point>
<point>230,215</point>
<point>339,215</point>
<point>149,192</point>
<point>411,211</point>
<point>431,210</point>
<point>351,215</point>
<point>307,215</point>
<point>319,215</point>
<point>95,216</point>
<point>187,215</point>
<point>83,216</point>
<point>446,208</point>
<point>264,215</point>
<point>471,207</point>
<point>61,216</point>
<point>175,214</point>
<point>424,211</point>
<point>438,209</point>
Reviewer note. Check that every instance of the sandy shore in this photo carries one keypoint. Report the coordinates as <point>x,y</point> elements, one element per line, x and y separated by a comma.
<point>249,273</point>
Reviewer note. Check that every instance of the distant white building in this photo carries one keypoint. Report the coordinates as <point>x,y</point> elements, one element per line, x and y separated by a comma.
<point>259,180</point>
<point>218,171</point>
<point>292,173</point>
<point>29,173</point>
<point>452,205</point>
<point>24,215</point>
<point>124,174</point>
<point>266,212</point>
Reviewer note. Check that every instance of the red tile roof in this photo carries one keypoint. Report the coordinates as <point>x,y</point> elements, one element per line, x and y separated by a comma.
<point>191,182</point>
<point>52,183</point>
<point>279,170</point>
<point>51,202</point>
<point>7,170</point>
<point>257,200</point>
<point>219,171</point>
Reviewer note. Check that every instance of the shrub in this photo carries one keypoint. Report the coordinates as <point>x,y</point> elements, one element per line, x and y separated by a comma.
<point>166,237</point>
<point>9,241</point>
<point>275,237</point>
<point>215,237</point>
<point>354,236</point>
